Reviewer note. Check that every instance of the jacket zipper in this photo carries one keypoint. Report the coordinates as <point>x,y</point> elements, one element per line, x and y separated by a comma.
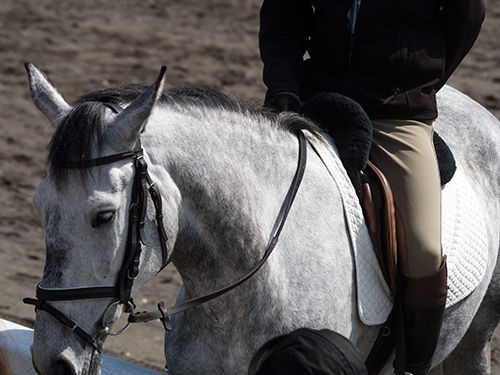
<point>352,16</point>
<point>395,92</point>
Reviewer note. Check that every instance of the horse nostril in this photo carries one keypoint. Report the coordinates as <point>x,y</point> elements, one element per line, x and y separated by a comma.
<point>63,367</point>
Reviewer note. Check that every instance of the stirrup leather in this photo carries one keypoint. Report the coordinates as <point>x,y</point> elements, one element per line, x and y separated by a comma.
<point>378,209</point>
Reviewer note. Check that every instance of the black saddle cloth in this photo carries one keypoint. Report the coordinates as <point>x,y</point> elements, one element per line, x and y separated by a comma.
<point>348,124</point>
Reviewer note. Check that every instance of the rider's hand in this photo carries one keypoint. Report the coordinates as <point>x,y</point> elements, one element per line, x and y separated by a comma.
<point>283,101</point>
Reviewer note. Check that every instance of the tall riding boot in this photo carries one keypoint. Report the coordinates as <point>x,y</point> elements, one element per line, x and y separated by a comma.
<point>424,303</point>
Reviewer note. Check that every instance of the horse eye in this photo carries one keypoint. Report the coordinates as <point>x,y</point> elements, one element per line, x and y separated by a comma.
<point>103,218</point>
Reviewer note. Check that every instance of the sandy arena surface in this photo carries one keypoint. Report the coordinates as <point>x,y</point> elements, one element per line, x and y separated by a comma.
<point>94,44</point>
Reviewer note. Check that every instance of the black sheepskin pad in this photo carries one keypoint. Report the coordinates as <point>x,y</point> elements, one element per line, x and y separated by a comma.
<point>446,160</point>
<point>348,124</point>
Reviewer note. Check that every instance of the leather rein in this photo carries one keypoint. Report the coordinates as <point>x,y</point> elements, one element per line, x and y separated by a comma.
<point>121,292</point>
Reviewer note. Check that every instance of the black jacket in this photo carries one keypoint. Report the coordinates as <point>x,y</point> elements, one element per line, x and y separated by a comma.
<point>400,54</point>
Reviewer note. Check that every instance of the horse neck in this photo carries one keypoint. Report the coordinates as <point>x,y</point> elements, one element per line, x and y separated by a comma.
<point>232,172</point>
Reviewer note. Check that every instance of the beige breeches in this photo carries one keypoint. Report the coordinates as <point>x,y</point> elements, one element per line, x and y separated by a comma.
<point>404,151</point>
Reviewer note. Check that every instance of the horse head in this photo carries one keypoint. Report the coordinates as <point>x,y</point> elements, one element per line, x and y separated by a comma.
<point>102,242</point>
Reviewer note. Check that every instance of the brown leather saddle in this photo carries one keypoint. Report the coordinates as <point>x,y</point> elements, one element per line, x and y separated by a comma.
<point>380,216</point>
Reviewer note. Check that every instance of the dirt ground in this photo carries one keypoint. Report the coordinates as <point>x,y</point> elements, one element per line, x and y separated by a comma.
<point>94,44</point>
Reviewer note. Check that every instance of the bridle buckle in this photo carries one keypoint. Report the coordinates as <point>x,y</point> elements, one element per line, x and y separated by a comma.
<point>165,317</point>
<point>73,326</point>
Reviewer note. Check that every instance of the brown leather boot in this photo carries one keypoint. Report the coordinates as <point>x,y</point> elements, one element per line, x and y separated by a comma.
<point>423,307</point>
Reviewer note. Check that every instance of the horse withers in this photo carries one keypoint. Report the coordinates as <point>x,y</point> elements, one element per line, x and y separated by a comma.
<point>138,177</point>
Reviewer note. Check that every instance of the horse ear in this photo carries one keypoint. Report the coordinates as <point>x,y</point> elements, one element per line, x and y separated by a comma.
<point>132,121</point>
<point>45,95</point>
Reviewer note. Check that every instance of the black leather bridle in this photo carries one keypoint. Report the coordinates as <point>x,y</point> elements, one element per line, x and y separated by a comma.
<point>121,291</point>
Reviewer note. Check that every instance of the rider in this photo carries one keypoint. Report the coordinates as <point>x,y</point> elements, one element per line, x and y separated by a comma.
<point>392,57</point>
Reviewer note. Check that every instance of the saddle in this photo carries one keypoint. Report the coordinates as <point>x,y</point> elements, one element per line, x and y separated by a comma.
<point>350,127</point>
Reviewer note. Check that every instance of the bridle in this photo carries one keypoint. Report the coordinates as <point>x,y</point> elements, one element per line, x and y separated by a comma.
<point>121,292</point>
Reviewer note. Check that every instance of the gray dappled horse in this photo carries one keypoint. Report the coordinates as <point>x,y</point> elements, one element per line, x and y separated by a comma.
<point>222,170</point>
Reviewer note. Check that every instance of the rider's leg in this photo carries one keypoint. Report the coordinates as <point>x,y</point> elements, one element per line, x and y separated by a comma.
<point>404,151</point>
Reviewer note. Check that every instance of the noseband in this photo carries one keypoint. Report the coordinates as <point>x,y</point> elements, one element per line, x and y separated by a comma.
<point>122,290</point>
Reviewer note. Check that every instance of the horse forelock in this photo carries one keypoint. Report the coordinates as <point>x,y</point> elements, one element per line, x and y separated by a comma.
<point>78,135</point>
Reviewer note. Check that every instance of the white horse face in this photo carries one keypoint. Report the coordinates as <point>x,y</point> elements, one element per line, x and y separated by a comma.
<point>85,227</point>
<point>84,223</point>
<point>85,216</point>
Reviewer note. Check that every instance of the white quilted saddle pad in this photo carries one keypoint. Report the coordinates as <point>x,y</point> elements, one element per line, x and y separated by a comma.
<point>463,236</point>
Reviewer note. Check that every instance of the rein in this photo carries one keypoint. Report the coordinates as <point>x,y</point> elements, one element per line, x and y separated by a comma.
<point>122,290</point>
<point>164,313</point>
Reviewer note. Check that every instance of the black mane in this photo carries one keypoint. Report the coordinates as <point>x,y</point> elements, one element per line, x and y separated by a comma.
<point>83,128</point>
